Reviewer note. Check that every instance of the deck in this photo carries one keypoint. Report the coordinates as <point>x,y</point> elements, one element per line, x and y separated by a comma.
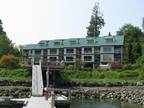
<point>38,102</point>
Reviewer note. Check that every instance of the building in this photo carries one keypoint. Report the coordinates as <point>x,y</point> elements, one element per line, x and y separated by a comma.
<point>93,52</point>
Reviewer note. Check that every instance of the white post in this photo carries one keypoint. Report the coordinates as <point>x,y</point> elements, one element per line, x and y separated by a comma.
<point>47,77</point>
<point>53,100</point>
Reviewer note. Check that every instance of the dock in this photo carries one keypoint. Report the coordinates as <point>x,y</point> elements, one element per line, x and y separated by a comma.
<point>38,102</point>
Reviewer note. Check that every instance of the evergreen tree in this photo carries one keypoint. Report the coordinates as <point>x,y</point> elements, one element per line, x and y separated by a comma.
<point>6,45</point>
<point>1,29</point>
<point>143,23</point>
<point>96,22</point>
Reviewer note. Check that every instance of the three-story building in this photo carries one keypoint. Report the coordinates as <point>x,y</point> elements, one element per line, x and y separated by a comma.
<point>92,51</point>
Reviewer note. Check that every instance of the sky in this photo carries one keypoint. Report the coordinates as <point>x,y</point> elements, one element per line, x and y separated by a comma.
<point>29,21</point>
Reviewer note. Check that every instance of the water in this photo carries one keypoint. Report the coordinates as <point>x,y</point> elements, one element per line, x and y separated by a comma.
<point>102,104</point>
<point>95,104</point>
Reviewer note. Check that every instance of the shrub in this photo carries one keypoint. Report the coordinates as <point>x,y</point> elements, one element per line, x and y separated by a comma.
<point>9,61</point>
<point>15,74</point>
<point>115,66</point>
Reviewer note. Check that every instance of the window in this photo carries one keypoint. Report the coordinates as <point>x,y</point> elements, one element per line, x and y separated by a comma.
<point>31,51</point>
<point>117,49</point>
<point>90,41</point>
<point>25,52</point>
<point>117,58</point>
<point>36,60</point>
<point>97,49</point>
<point>107,49</point>
<point>53,58</point>
<point>87,58</point>
<point>107,57</point>
<point>109,39</point>
<point>56,43</point>
<point>53,51</point>
<point>87,50</point>
<point>70,50</point>
<point>69,58</point>
<point>73,42</point>
<point>37,51</point>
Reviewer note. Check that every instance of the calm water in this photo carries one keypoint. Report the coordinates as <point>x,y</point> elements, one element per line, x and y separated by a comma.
<point>102,104</point>
<point>98,104</point>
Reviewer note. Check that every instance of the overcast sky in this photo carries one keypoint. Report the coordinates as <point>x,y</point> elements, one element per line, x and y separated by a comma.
<point>29,21</point>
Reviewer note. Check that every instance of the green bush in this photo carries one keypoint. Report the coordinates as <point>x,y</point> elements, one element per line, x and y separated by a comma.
<point>107,75</point>
<point>14,74</point>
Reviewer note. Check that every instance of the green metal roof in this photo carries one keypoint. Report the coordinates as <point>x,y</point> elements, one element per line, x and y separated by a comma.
<point>77,42</point>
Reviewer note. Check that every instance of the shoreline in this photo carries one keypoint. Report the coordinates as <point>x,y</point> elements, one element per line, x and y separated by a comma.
<point>132,92</point>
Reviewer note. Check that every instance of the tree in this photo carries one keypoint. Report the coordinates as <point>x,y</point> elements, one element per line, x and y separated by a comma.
<point>143,23</point>
<point>1,29</point>
<point>132,47</point>
<point>130,32</point>
<point>96,22</point>
<point>130,55</point>
<point>137,51</point>
<point>79,63</point>
<point>6,45</point>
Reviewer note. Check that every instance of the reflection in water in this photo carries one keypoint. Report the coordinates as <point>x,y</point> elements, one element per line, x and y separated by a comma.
<point>102,104</point>
<point>95,104</point>
<point>106,106</point>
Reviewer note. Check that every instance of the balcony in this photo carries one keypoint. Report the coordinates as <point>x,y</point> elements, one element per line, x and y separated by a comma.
<point>117,50</point>
<point>87,58</point>
<point>87,50</point>
<point>69,51</point>
<point>107,49</point>
<point>53,52</point>
<point>38,52</point>
<point>107,58</point>
<point>69,59</point>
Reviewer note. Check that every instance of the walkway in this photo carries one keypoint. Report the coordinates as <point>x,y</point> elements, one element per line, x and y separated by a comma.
<point>38,102</point>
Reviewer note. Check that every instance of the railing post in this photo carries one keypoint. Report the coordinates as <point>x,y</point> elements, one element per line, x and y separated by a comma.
<point>53,99</point>
<point>69,96</point>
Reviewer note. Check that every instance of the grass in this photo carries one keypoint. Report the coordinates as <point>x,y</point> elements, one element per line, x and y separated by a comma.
<point>80,75</point>
<point>14,74</point>
<point>105,76</point>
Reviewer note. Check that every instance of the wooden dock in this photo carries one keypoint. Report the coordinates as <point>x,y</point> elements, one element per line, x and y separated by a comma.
<point>38,102</point>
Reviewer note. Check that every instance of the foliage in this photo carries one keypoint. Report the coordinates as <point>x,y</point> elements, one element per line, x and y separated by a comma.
<point>96,22</point>
<point>15,74</point>
<point>9,61</point>
<point>1,29</point>
<point>132,45</point>
<point>140,60</point>
<point>143,23</point>
<point>79,63</point>
<point>110,75</point>
<point>131,33</point>
<point>6,45</point>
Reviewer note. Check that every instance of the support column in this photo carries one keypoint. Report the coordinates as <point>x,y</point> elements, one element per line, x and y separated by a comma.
<point>93,66</point>
<point>47,77</point>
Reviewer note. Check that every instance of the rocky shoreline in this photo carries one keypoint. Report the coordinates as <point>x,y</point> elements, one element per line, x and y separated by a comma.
<point>133,94</point>
<point>15,91</point>
<point>26,83</point>
<point>128,92</point>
